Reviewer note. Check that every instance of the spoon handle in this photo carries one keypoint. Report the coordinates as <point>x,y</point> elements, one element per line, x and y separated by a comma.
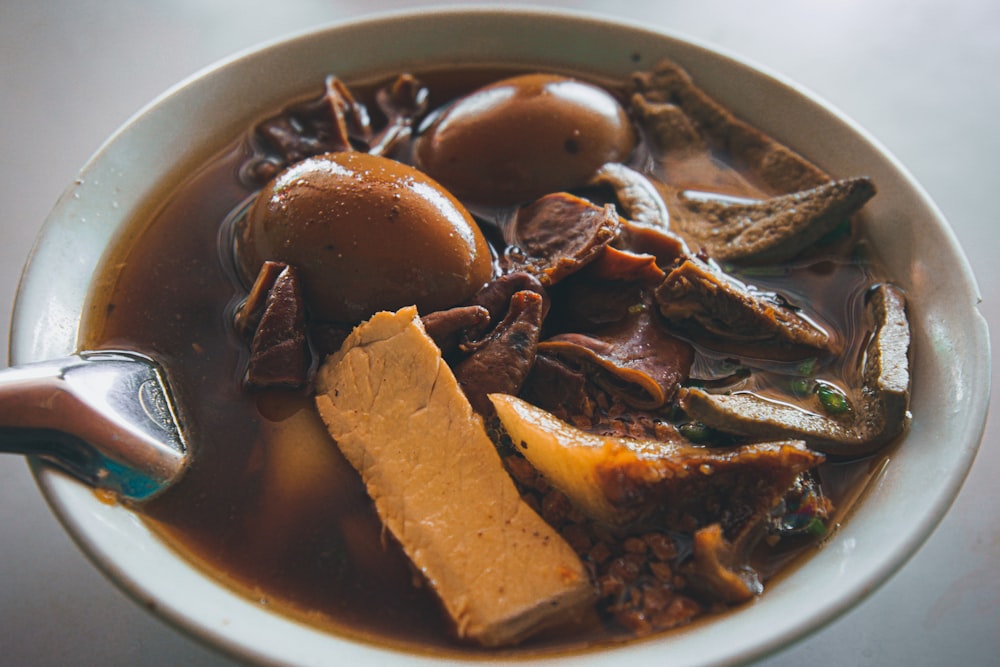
<point>105,417</point>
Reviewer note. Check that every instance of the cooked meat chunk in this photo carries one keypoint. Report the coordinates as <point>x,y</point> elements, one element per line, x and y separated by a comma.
<point>495,297</point>
<point>772,230</point>
<point>617,480</point>
<point>723,313</point>
<point>880,412</point>
<point>619,266</point>
<point>396,412</point>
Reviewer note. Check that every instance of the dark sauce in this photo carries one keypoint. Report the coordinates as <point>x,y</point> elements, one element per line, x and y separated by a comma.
<point>269,506</point>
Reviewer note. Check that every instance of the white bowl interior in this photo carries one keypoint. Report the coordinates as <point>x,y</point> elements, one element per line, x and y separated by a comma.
<point>903,504</point>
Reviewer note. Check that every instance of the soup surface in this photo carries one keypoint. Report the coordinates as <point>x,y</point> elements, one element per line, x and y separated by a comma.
<point>270,506</point>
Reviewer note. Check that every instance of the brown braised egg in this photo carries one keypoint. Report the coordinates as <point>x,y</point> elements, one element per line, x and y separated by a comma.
<point>367,233</point>
<point>522,137</point>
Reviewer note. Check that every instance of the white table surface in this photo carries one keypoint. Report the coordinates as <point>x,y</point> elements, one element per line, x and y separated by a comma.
<point>920,75</point>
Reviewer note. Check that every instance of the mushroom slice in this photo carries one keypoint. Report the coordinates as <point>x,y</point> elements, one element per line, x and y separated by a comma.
<point>327,123</point>
<point>559,234</point>
<point>880,412</point>
<point>636,359</point>
<point>772,230</point>
<point>501,362</point>
<point>718,569</point>
<point>447,327</point>
<point>638,198</point>
<point>722,313</point>
<point>780,168</point>
<point>402,102</point>
<point>495,296</point>
<point>249,313</point>
<point>618,480</point>
<point>667,247</point>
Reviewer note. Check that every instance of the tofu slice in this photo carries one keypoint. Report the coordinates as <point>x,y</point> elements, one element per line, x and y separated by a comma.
<point>398,415</point>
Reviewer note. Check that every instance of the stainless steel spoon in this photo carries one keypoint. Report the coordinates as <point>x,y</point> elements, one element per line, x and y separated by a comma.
<point>108,418</point>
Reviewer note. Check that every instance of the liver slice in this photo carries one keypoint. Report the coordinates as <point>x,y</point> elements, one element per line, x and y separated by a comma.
<point>438,484</point>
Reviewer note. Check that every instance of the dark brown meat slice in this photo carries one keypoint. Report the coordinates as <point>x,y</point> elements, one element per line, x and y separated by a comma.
<point>777,166</point>
<point>495,298</point>
<point>559,234</point>
<point>880,408</point>
<point>556,387</point>
<point>635,359</point>
<point>248,316</point>
<point>447,327</point>
<point>327,123</point>
<point>501,362</point>
<point>279,353</point>
<point>667,247</point>
<point>620,266</point>
<point>769,231</point>
<point>722,313</point>
<point>402,102</point>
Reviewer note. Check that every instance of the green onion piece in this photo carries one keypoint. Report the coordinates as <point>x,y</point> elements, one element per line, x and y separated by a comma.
<point>833,399</point>
<point>807,367</point>
<point>816,527</point>
<point>802,387</point>
<point>696,432</point>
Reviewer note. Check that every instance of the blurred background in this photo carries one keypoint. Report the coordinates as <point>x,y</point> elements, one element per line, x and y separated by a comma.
<point>919,75</point>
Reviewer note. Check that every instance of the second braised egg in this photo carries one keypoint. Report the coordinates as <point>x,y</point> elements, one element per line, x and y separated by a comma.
<point>523,137</point>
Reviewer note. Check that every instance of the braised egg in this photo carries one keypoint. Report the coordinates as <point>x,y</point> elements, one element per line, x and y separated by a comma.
<point>367,233</point>
<point>523,137</point>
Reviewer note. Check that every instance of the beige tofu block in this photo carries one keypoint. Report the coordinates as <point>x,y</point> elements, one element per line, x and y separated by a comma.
<point>397,413</point>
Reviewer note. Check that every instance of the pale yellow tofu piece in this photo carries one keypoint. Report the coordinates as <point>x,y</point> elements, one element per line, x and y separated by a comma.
<point>398,415</point>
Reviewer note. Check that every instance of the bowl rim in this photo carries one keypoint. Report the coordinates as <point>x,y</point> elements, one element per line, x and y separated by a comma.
<point>109,534</point>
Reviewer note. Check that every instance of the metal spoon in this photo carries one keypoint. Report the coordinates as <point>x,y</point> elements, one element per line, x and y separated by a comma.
<point>107,418</point>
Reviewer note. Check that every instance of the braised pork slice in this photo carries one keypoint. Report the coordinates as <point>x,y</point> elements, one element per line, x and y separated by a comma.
<point>398,415</point>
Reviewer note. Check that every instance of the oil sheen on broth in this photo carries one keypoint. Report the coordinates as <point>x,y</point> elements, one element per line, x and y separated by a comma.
<point>265,507</point>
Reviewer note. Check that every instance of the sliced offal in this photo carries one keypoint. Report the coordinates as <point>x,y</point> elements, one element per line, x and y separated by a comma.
<point>617,480</point>
<point>769,230</point>
<point>397,413</point>
<point>777,166</point>
<point>559,234</point>
<point>717,310</point>
<point>881,405</point>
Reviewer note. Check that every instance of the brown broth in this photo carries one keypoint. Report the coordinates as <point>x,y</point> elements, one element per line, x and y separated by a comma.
<point>269,506</point>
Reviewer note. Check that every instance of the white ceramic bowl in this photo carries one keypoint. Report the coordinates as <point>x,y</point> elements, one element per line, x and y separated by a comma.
<point>902,505</point>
